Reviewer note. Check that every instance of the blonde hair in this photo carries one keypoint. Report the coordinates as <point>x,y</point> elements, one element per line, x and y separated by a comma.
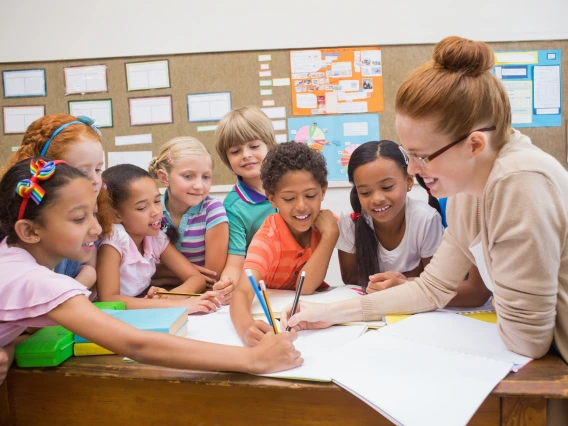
<point>240,126</point>
<point>174,151</point>
<point>457,89</point>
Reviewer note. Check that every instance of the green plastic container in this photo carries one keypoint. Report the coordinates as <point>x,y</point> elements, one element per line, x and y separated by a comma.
<point>47,347</point>
<point>117,306</point>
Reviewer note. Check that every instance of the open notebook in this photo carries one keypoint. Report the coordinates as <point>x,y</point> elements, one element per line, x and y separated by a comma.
<point>314,345</point>
<point>433,368</point>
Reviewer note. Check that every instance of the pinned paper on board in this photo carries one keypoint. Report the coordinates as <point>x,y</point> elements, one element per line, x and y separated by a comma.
<point>89,79</point>
<point>150,110</point>
<point>138,158</point>
<point>208,106</point>
<point>18,118</point>
<point>99,110</point>
<point>336,137</point>
<point>336,81</point>
<point>147,75</point>
<point>24,83</point>
<point>533,82</point>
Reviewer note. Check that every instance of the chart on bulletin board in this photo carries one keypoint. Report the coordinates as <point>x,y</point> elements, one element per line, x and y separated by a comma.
<point>337,81</point>
<point>336,137</point>
<point>533,80</point>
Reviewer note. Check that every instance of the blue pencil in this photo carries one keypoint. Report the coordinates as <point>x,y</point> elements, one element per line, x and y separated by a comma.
<point>258,295</point>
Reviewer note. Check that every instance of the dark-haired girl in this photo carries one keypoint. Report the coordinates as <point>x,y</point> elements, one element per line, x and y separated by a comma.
<point>387,230</point>
<point>128,257</point>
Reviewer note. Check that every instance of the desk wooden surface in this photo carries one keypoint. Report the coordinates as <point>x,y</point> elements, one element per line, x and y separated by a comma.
<point>106,390</point>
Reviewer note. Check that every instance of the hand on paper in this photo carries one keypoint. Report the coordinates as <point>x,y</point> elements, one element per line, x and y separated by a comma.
<point>308,316</point>
<point>225,287</point>
<point>384,280</point>
<point>255,332</point>
<point>209,301</point>
<point>276,352</point>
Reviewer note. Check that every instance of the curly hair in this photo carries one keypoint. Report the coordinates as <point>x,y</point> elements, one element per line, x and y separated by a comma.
<point>289,157</point>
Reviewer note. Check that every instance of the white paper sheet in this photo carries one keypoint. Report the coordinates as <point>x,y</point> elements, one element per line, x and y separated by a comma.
<point>352,107</point>
<point>516,57</point>
<point>138,158</point>
<point>100,111</point>
<point>24,83</point>
<point>264,58</point>
<point>264,66</point>
<point>276,112</point>
<point>267,103</point>
<point>515,72</point>
<point>17,119</point>
<point>279,124</point>
<point>547,86</point>
<point>208,106</point>
<point>133,139</point>
<point>520,97</point>
<point>279,299</point>
<point>265,73</point>
<point>306,100</point>
<point>314,345</point>
<point>153,110</point>
<point>415,384</point>
<point>147,75</point>
<point>281,138</point>
<point>331,102</point>
<point>281,82</point>
<point>85,79</point>
<point>356,129</point>
<point>305,61</point>
<point>266,92</point>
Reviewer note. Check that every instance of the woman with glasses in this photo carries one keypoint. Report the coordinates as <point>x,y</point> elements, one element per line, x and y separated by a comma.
<point>507,215</point>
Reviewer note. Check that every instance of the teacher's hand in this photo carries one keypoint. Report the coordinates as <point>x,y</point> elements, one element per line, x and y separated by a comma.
<point>308,316</point>
<point>384,280</point>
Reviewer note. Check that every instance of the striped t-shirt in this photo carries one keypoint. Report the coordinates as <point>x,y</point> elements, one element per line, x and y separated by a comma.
<point>194,224</point>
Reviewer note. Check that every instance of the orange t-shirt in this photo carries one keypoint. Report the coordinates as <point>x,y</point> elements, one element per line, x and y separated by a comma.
<point>278,257</point>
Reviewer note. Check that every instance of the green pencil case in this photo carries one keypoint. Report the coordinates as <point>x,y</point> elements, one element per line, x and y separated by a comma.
<point>116,306</point>
<point>47,347</point>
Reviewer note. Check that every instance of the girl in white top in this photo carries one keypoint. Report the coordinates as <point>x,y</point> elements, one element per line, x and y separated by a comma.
<point>387,230</point>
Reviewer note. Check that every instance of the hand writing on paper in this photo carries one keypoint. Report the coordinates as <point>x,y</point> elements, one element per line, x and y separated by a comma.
<point>308,316</point>
<point>276,353</point>
<point>255,332</point>
<point>384,280</point>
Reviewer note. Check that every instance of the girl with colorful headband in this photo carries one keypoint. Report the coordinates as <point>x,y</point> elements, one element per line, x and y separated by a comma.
<point>47,213</point>
<point>77,141</point>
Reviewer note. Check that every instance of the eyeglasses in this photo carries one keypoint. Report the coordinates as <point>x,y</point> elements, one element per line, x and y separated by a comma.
<point>422,161</point>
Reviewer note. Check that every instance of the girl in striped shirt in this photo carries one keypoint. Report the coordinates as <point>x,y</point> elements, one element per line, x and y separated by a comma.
<point>196,222</point>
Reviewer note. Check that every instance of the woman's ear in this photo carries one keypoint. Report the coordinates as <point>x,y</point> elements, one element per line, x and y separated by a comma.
<point>27,231</point>
<point>163,177</point>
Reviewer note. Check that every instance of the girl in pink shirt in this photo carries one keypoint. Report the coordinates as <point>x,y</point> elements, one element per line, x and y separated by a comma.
<point>47,213</point>
<point>127,258</point>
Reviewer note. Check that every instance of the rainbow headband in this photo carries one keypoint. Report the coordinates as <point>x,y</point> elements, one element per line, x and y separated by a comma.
<point>80,120</point>
<point>29,188</point>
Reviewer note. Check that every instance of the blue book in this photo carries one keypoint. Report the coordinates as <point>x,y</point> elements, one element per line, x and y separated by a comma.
<point>167,320</point>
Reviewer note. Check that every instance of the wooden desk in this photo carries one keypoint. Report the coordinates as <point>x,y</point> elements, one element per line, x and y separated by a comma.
<point>105,391</point>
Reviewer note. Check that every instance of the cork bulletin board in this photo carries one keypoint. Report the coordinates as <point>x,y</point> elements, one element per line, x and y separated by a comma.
<point>238,74</point>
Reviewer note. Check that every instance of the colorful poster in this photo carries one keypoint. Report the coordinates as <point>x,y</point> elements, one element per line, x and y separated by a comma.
<point>533,80</point>
<point>336,137</point>
<point>337,81</point>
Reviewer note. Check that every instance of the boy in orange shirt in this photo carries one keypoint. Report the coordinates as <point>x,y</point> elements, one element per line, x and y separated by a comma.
<point>300,237</point>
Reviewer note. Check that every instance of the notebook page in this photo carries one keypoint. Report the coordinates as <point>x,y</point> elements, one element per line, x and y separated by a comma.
<point>413,383</point>
<point>314,345</point>
<point>458,333</point>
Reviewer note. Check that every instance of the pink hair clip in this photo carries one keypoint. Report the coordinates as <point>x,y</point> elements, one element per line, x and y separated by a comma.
<point>169,158</point>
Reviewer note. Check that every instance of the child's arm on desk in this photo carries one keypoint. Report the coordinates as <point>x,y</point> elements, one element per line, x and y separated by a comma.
<point>316,266</point>
<point>250,331</point>
<point>87,272</point>
<point>274,353</point>
<point>6,358</point>
<point>108,272</point>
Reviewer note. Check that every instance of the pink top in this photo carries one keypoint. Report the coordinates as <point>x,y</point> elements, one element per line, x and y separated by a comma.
<point>136,270</point>
<point>28,291</point>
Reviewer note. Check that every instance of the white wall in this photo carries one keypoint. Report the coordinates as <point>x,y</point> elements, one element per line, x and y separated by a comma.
<point>40,30</point>
<point>337,200</point>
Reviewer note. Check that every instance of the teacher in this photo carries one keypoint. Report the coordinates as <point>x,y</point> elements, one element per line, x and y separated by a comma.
<point>507,215</point>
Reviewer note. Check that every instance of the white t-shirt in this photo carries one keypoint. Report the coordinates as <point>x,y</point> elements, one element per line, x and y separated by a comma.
<point>421,239</point>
